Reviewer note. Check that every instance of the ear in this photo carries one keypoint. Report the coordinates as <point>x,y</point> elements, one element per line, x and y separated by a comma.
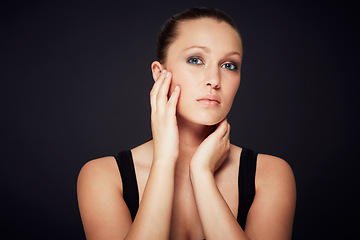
<point>156,68</point>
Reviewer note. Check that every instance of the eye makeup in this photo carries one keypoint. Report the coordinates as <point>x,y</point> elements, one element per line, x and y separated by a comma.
<point>194,60</point>
<point>227,63</point>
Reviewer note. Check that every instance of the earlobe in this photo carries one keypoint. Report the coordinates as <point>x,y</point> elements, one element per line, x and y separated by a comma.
<point>156,68</point>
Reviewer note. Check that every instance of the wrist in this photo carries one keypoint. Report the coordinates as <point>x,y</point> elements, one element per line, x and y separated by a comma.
<point>165,156</point>
<point>200,170</point>
<point>164,162</point>
<point>200,179</point>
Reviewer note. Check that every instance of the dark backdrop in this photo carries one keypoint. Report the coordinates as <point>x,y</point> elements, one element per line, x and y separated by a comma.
<point>75,82</point>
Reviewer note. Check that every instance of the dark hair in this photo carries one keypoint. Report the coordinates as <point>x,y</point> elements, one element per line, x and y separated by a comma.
<point>168,31</point>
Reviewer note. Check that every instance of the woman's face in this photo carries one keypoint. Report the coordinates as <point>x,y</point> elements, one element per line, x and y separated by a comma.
<point>205,61</point>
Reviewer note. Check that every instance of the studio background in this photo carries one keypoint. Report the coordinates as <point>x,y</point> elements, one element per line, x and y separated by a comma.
<point>76,78</point>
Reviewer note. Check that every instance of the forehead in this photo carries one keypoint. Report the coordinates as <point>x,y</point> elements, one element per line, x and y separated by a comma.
<point>219,37</point>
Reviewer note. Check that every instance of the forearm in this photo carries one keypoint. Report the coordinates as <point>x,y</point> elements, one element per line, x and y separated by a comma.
<point>216,217</point>
<point>154,215</point>
<point>153,218</point>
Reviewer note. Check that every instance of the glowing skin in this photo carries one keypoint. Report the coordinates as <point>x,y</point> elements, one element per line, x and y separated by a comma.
<point>205,61</point>
<point>186,173</point>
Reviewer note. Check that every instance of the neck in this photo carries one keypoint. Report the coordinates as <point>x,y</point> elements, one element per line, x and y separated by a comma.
<point>191,135</point>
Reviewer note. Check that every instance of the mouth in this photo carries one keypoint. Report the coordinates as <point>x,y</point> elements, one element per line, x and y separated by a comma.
<point>210,99</point>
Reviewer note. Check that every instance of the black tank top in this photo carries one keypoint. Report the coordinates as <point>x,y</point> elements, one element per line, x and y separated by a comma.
<point>246,182</point>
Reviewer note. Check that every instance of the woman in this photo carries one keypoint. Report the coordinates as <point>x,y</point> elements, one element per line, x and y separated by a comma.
<point>189,182</point>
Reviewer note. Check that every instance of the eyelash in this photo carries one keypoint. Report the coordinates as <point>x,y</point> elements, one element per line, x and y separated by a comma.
<point>234,65</point>
<point>190,59</point>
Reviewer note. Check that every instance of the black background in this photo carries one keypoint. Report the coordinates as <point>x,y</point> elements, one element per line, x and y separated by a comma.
<point>75,82</point>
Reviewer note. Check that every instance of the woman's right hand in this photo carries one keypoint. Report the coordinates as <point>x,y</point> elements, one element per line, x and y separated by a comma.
<point>163,119</point>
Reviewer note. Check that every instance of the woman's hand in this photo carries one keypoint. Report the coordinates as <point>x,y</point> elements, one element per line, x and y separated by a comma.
<point>213,150</point>
<point>217,219</point>
<point>163,118</point>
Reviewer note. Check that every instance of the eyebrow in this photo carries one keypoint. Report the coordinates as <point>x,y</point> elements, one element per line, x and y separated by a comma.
<point>206,49</point>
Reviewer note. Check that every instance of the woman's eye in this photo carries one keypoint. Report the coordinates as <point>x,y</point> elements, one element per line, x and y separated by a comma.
<point>230,66</point>
<point>195,60</point>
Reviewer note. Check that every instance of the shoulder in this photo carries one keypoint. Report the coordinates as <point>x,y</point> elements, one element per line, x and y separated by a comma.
<point>273,207</point>
<point>101,204</point>
<point>271,172</point>
<point>273,167</point>
<point>274,174</point>
<point>98,172</point>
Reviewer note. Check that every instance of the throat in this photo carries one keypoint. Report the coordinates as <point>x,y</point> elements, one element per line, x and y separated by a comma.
<point>191,134</point>
<point>190,137</point>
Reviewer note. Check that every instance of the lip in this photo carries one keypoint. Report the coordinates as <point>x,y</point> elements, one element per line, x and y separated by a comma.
<point>210,99</point>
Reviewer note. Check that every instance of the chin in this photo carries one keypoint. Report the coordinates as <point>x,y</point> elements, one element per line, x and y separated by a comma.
<point>204,120</point>
<point>209,122</point>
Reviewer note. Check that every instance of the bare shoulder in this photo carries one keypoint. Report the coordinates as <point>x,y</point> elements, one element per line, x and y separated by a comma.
<point>100,171</point>
<point>273,207</point>
<point>275,184</point>
<point>101,205</point>
<point>106,168</point>
<point>273,170</point>
<point>99,164</point>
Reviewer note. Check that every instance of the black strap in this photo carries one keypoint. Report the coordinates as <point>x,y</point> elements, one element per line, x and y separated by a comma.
<point>130,188</point>
<point>246,183</point>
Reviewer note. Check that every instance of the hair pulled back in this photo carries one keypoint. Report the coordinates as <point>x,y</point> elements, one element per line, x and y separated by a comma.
<point>168,32</point>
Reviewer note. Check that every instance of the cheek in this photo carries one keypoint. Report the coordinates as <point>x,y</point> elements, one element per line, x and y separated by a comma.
<point>234,88</point>
<point>185,79</point>
<point>230,91</point>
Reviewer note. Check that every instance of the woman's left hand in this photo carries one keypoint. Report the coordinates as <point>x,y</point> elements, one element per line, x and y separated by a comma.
<point>213,150</point>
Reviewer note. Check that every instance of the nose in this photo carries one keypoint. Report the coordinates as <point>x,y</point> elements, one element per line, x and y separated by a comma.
<point>213,77</point>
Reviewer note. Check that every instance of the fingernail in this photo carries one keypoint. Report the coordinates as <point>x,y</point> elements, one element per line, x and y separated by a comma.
<point>168,74</point>
<point>177,88</point>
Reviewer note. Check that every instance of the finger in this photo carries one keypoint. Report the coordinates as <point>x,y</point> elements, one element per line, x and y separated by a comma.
<point>158,82</point>
<point>222,129</point>
<point>227,134</point>
<point>162,96</point>
<point>219,131</point>
<point>173,100</point>
<point>155,89</point>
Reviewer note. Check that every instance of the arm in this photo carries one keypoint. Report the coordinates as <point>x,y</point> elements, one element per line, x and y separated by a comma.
<point>154,215</point>
<point>103,210</point>
<point>272,212</point>
<point>216,217</point>
<point>153,218</point>
<point>271,215</point>
<point>104,213</point>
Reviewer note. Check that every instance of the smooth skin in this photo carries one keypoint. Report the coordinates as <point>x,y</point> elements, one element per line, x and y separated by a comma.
<point>187,175</point>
